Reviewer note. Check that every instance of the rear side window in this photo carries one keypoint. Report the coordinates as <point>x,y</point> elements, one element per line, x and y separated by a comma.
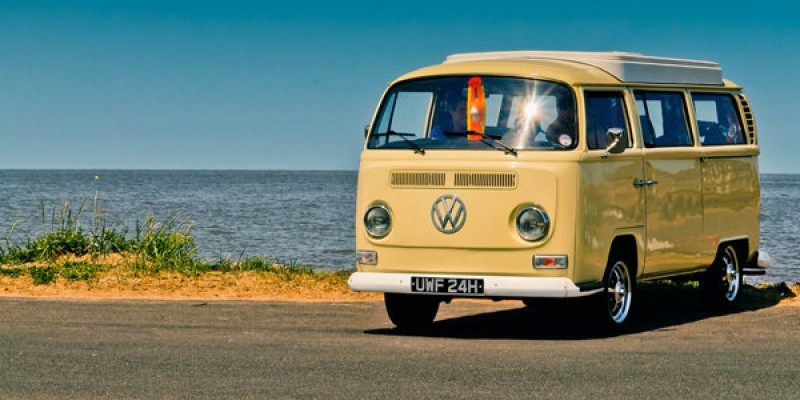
<point>718,121</point>
<point>663,118</point>
<point>604,110</point>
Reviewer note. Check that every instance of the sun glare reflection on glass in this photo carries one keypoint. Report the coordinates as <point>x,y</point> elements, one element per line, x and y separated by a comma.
<point>531,109</point>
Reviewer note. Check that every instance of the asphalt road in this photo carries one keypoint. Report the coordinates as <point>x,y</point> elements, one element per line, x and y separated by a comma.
<point>264,350</point>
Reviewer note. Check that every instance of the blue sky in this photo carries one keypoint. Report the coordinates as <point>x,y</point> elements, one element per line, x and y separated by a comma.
<point>290,84</point>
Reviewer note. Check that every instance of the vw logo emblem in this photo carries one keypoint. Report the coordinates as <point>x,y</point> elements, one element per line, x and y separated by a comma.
<point>448,213</point>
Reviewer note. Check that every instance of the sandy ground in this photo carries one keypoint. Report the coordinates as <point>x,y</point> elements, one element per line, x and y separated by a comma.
<point>118,281</point>
<point>209,286</point>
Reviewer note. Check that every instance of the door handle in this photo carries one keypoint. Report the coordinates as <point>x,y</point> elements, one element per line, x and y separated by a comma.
<point>643,182</point>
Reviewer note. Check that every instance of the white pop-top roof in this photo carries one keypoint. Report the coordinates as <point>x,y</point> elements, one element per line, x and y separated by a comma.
<point>627,67</point>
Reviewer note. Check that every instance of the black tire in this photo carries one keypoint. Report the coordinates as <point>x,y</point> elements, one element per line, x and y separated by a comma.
<point>530,303</point>
<point>411,311</point>
<point>545,303</point>
<point>722,282</point>
<point>613,305</point>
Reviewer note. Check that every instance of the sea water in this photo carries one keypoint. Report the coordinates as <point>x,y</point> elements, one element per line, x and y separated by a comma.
<point>305,217</point>
<point>300,217</point>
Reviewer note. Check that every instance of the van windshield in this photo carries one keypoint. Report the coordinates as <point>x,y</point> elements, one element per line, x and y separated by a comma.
<point>476,112</point>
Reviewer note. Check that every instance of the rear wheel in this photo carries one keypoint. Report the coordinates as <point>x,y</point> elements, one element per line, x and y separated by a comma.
<point>411,311</point>
<point>722,281</point>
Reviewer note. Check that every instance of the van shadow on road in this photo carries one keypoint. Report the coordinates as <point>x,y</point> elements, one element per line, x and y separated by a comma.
<point>658,306</point>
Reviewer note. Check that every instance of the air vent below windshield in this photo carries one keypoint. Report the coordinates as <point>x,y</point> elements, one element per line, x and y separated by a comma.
<point>486,180</point>
<point>418,179</point>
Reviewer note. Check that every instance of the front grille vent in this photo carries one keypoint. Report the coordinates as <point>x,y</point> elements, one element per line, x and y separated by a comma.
<point>418,179</point>
<point>749,120</point>
<point>486,180</point>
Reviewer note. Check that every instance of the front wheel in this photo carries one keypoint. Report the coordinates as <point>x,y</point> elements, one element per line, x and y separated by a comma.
<point>411,311</point>
<point>721,282</point>
<point>613,305</point>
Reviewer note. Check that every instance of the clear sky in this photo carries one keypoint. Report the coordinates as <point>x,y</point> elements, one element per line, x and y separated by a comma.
<point>291,84</point>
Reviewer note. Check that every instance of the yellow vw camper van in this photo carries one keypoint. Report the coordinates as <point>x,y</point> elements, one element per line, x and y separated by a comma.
<point>529,174</point>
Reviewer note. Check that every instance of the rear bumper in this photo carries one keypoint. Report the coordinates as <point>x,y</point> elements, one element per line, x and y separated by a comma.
<point>494,286</point>
<point>758,264</point>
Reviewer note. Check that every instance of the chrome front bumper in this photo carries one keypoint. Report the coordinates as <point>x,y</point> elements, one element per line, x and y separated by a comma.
<point>494,286</point>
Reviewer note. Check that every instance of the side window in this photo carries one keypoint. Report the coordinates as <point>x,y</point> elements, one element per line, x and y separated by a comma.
<point>604,110</point>
<point>663,118</point>
<point>718,121</point>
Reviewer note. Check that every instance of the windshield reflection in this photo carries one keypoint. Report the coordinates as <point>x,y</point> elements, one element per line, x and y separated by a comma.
<point>469,112</point>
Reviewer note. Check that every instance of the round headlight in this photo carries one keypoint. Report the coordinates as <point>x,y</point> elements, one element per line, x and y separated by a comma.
<point>532,223</point>
<point>378,221</point>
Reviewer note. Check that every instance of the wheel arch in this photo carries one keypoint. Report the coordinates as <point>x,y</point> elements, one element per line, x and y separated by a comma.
<point>741,245</point>
<point>627,247</point>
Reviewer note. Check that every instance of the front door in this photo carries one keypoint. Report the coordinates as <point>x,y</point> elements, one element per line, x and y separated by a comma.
<point>672,184</point>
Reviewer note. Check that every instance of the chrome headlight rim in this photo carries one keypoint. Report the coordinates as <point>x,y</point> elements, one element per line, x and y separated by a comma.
<point>543,224</point>
<point>369,225</point>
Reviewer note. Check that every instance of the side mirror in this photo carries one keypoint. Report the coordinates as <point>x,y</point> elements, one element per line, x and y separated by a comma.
<point>614,139</point>
<point>366,130</point>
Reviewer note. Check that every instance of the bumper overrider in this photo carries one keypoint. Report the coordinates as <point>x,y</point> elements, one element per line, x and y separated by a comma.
<point>490,286</point>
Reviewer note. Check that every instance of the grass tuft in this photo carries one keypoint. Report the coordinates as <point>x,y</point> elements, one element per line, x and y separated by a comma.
<point>165,247</point>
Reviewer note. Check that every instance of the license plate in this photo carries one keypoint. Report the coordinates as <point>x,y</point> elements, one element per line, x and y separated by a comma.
<point>427,284</point>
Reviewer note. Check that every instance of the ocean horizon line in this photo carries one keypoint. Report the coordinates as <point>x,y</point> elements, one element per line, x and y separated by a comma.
<point>177,169</point>
<point>238,170</point>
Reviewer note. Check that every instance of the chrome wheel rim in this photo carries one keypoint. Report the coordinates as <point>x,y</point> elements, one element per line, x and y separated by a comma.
<point>730,274</point>
<point>619,292</point>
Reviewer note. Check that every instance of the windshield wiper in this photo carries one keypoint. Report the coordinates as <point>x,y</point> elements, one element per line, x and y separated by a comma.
<point>417,148</point>
<point>493,143</point>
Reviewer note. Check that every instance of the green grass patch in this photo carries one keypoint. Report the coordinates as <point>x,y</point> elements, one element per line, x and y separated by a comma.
<point>153,247</point>
<point>11,272</point>
<point>255,264</point>
<point>43,275</point>
<point>79,271</point>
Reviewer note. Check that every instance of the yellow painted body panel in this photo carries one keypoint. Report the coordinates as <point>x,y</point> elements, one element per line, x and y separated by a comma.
<point>488,243</point>
<point>609,206</point>
<point>731,195</point>
<point>674,212</point>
